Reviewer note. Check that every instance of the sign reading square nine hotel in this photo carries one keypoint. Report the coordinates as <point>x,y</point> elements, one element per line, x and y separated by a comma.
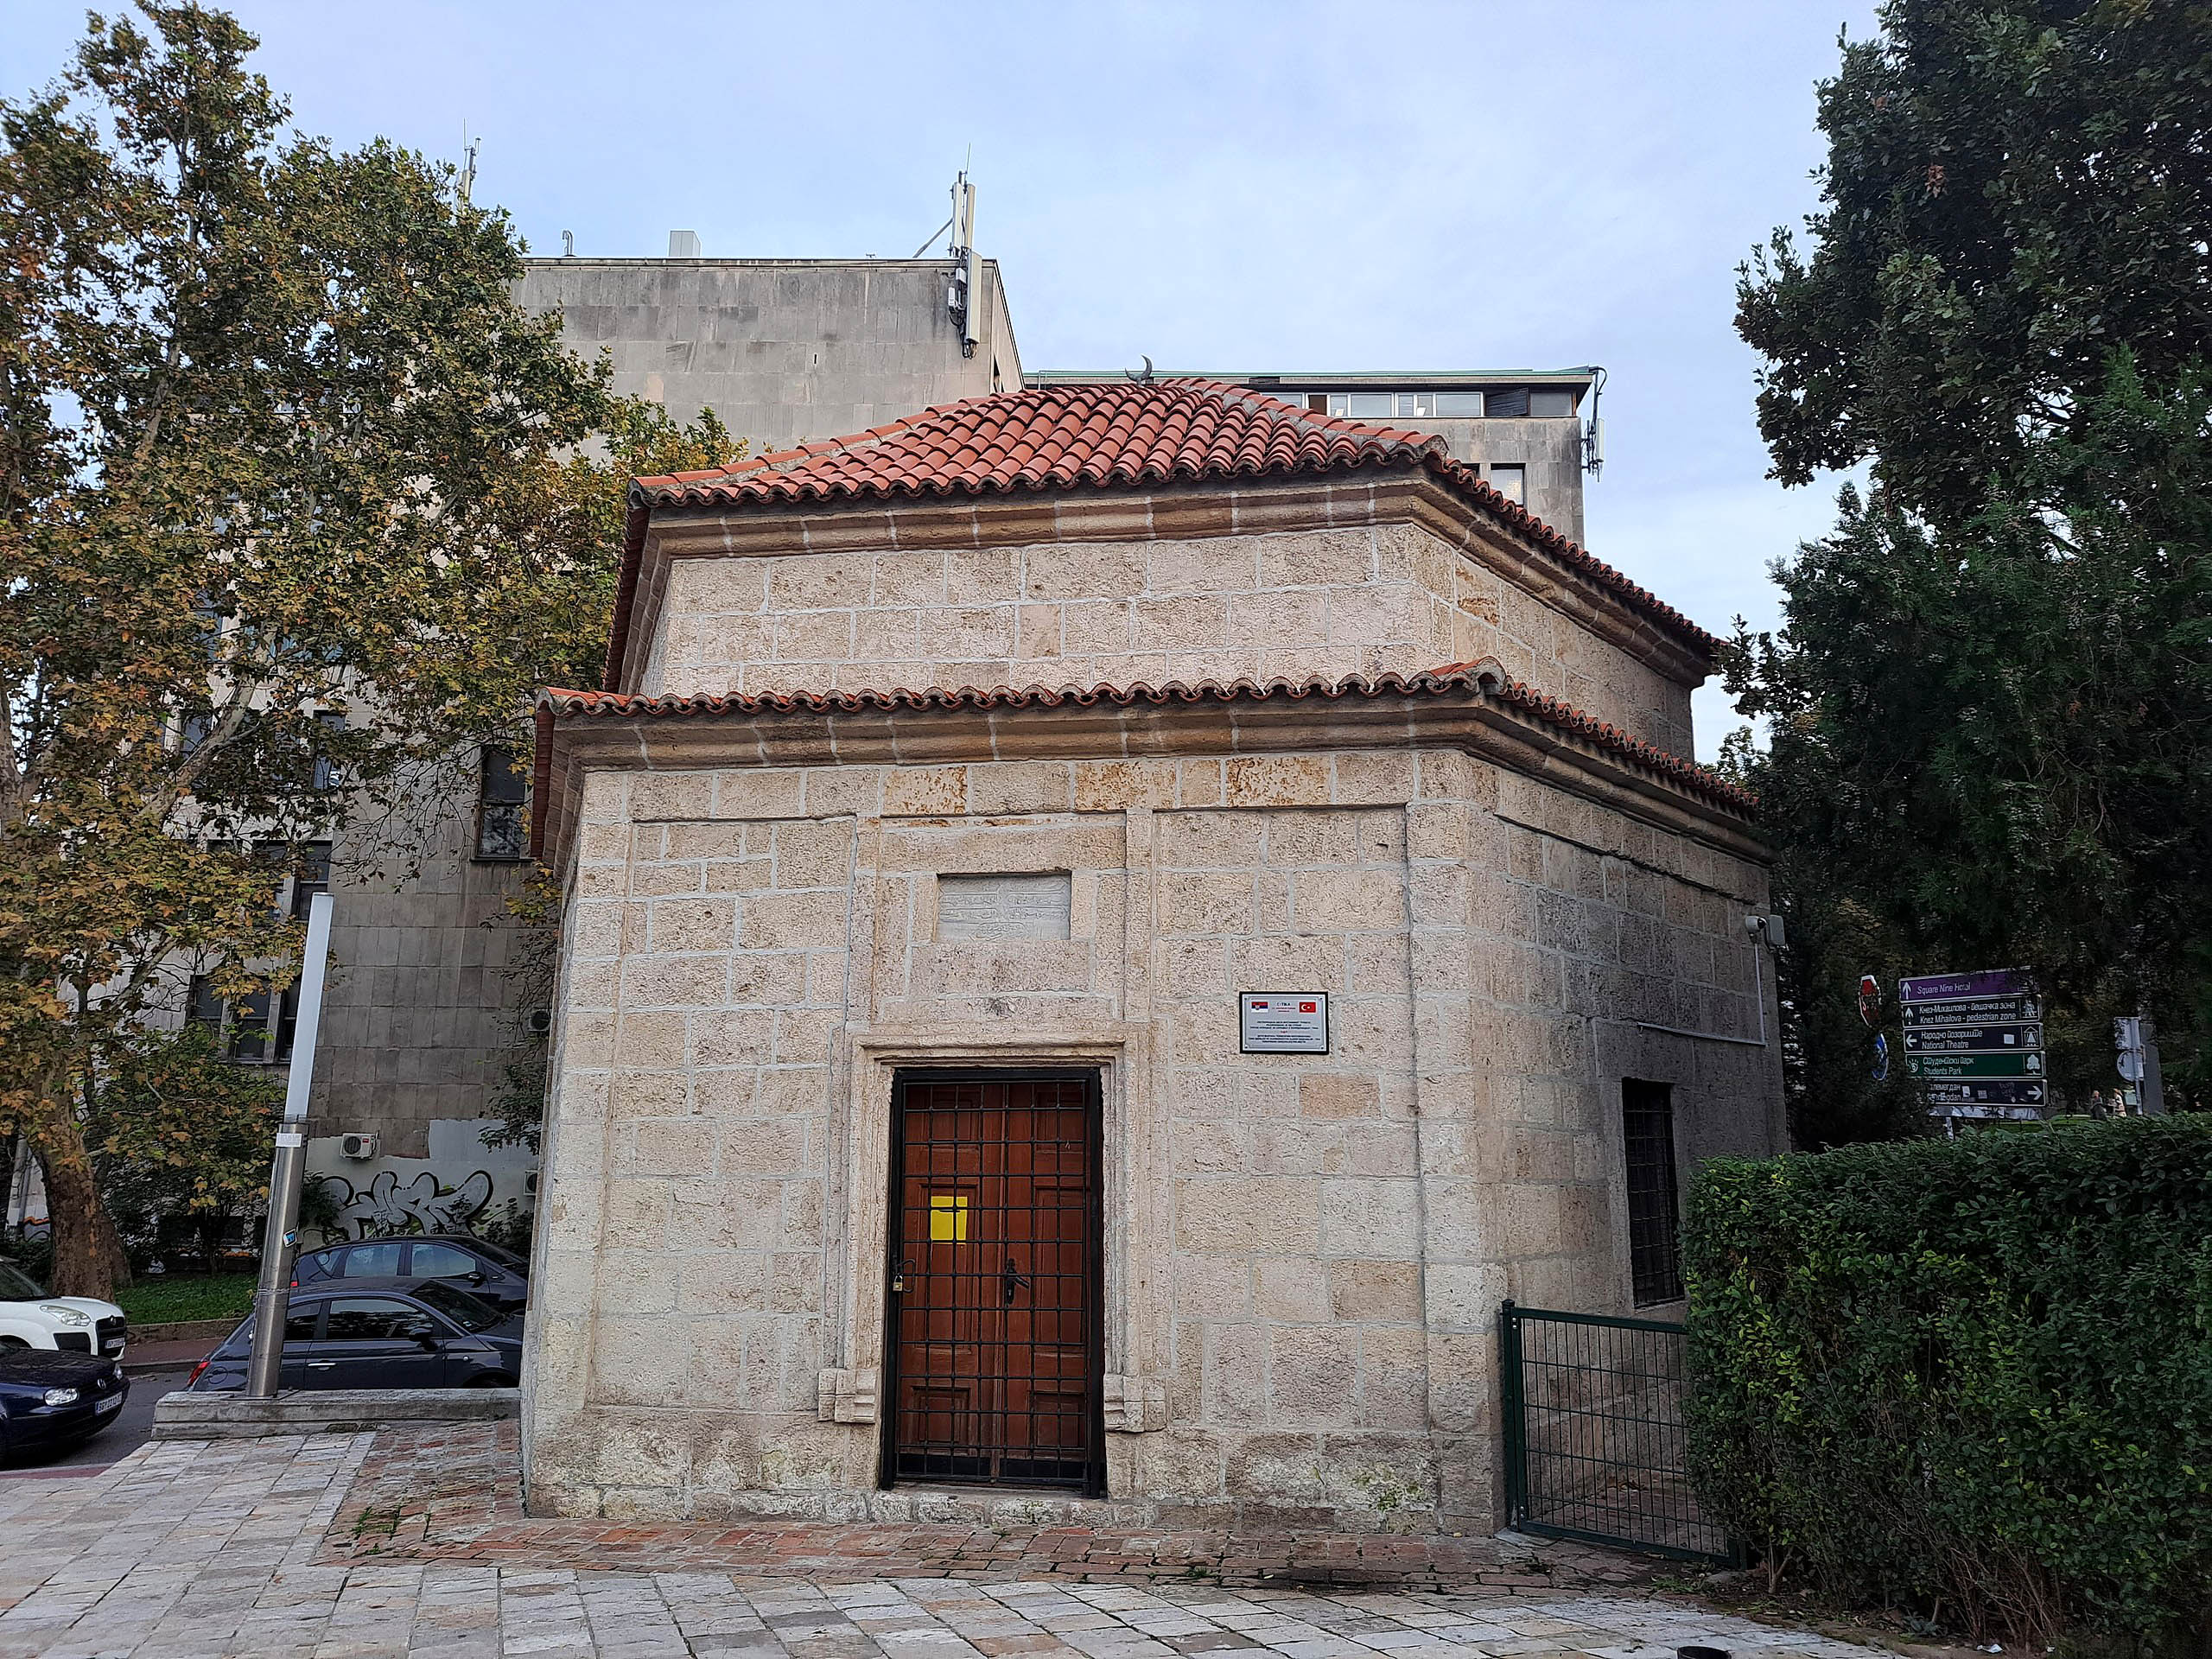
<point>916,1129</point>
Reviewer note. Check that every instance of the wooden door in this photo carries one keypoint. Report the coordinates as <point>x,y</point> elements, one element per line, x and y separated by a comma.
<point>994,1279</point>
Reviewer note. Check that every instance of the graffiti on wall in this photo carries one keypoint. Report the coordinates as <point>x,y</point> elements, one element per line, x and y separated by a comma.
<point>422,1205</point>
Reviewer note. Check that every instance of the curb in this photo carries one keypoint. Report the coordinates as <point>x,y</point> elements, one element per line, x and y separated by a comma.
<point>230,1416</point>
<point>186,1330</point>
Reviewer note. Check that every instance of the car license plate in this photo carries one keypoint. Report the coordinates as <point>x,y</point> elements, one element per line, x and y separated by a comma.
<point>112,1345</point>
<point>107,1406</point>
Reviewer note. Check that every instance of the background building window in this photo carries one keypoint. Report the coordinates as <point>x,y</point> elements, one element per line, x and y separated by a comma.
<point>1511,482</point>
<point>1653,1219</point>
<point>1550,402</point>
<point>1508,402</point>
<point>327,774</point>
<point>1459,406</point>
<point>502,806</point>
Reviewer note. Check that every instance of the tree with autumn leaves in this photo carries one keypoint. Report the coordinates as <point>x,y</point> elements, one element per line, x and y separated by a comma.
<point>296,509</point>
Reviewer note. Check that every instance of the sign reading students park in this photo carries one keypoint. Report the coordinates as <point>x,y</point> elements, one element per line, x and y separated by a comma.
<point>1977,1039</point>
<point>1283,1022</point>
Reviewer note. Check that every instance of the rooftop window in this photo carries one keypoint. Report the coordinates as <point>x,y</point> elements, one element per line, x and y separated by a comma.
<point>1500,402</point>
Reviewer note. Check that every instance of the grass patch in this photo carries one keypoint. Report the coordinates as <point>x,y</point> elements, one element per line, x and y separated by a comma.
<point>188,1296</point>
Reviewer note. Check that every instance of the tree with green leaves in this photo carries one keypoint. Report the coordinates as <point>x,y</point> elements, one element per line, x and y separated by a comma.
<point>291,514</point>
<point>1990,702</point>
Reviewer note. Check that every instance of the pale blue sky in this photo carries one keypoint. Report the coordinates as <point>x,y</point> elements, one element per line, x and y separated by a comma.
<point>1238,186</point>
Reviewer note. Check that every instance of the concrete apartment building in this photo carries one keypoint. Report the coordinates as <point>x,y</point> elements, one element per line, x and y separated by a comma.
<point>424,1013</point>
<point>1142,1073</point>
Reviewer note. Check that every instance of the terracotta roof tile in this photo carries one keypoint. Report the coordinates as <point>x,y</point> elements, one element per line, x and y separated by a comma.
<point>1074,436</point>
<point>1481,679</point>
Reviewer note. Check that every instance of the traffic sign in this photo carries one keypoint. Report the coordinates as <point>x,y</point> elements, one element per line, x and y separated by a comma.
<point>1976,1011</point>
<point>1950,987</point>
<point>1973,1039</point>
<point>2009,1113</point>
<point>2026,1064</point>
<point>2025,1092</point>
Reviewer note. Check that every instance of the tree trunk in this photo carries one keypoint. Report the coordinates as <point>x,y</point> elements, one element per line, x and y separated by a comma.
<point>88,1256</point>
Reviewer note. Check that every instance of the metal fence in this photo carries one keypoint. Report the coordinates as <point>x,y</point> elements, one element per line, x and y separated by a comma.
<point>1595,1448</point>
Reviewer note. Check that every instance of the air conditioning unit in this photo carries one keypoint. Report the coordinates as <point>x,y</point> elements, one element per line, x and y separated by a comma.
<point>538,1021</point>
<point>357,1146</point>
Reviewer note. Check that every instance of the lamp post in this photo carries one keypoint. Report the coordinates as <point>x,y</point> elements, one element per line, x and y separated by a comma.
<point>272,1301</point>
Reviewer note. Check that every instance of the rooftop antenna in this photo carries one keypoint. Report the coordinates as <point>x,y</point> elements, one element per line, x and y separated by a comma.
<point>1593,433</point>
<point>965,291</point>
<point>468,163</point>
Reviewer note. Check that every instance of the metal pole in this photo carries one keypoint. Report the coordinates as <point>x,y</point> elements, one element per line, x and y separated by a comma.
<point>2154,1082</point>
<point>272,1301</point>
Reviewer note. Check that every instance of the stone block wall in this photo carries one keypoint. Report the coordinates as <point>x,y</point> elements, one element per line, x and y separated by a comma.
<point>1323,602</point>
<point>422,1008</point>
<point>1304,1254</point>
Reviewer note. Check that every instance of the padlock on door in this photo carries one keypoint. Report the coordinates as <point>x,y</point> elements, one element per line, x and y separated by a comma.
<point>899,1276</point>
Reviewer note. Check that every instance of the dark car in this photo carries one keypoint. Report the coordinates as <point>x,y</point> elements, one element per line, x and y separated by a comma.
<point>379,1334</point>
<point>50,1400</point>
<point>465,1262</point>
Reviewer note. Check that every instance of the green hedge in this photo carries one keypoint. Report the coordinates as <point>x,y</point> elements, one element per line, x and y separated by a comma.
<point>1974,1377</point>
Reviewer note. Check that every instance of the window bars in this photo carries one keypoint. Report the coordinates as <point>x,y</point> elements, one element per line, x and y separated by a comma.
<point>994,1284</point>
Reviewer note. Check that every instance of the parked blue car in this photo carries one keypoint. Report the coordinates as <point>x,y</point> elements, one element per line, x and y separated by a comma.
<point>51,1401</point>
<point>379,1334</point>
<point>461,1259</point>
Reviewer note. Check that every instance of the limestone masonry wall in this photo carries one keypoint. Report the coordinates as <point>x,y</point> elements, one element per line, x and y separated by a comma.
<point>1327,602</point>
<point>1305,1253</point>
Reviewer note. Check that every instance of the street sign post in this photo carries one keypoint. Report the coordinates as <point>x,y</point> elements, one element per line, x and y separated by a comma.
<point>1975,1039</point>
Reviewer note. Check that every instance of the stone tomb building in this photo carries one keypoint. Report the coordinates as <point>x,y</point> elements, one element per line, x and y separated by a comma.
<point>905,1153</point>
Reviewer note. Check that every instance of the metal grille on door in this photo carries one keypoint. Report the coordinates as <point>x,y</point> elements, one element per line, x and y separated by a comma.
<point>995,1281</point>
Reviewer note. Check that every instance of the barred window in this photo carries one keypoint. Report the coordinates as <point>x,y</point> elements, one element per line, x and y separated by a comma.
<point>503,806</point>
<point>1654,1218</point>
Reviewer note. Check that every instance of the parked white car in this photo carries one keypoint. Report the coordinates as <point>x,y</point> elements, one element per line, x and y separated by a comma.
<point>31,1319</point>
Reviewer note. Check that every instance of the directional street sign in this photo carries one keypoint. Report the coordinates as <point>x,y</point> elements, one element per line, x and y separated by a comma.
<point>1950,988</point>
<point>2014,1114</point>
<point>1975,1011</point>
<point>1976,1041</point>
<point>2026,1092</point>
<point>2020,1065</point>
<point>1972,1039</point>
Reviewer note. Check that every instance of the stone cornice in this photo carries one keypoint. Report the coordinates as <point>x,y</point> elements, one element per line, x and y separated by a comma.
<point>1478,713</point>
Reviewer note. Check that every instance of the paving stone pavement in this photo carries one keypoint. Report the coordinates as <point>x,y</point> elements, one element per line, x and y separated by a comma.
<point>256,1548</point>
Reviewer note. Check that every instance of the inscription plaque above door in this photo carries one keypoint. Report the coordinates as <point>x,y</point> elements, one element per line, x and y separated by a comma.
<point>1002,906</point>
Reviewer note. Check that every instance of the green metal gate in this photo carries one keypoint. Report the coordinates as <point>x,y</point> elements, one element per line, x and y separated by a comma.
<point>1595,1448</point>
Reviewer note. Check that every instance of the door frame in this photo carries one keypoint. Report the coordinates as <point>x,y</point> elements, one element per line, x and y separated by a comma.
<point>1093,1264</point>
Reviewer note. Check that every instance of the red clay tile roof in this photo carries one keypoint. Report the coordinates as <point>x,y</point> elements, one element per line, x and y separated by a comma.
<point>1484,679</point>
<point>1056,437</point>
<point>1059,437</point>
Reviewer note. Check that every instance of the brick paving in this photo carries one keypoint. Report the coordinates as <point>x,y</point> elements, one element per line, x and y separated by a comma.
<point>412,1541</point>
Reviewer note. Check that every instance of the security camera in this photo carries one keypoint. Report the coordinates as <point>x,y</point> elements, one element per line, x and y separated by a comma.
<point>1769,930</point>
